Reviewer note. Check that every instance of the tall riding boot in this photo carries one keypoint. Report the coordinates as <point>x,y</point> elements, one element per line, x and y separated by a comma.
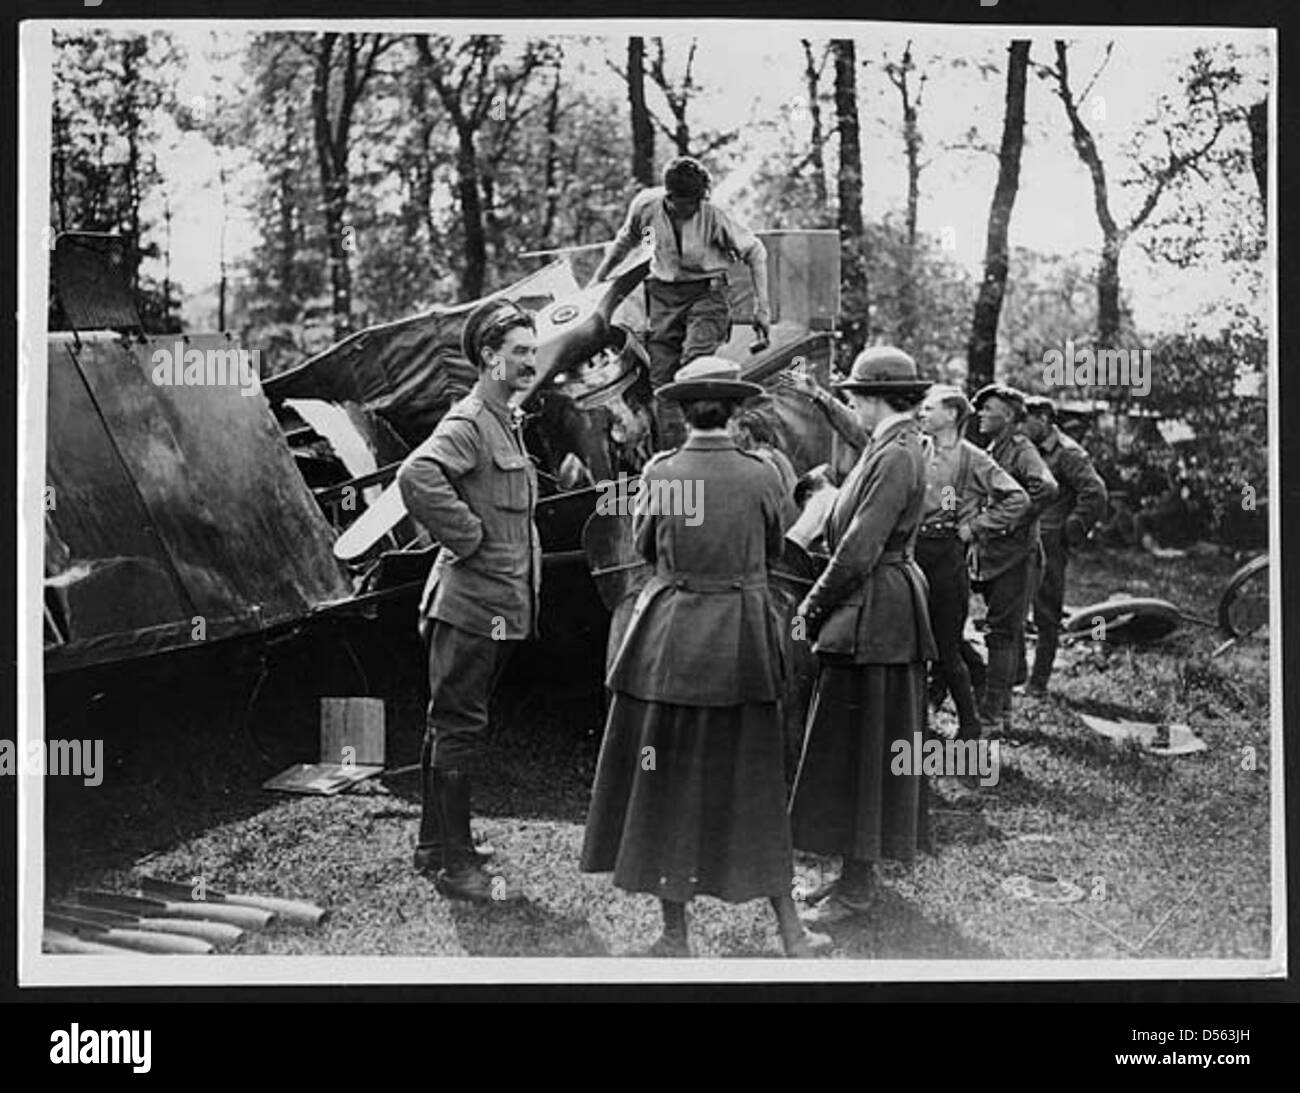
<point>461,877</point>
<point>996,707</point>
<point>1044,658</point>
<point>428,843</point>
<point>968,719</point>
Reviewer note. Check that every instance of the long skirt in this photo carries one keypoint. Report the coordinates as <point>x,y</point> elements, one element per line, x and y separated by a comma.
<point>846,798</point>
<point>691,801</point>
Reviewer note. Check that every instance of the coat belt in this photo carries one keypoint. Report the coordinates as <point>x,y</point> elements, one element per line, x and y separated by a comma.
<point>712,582</point>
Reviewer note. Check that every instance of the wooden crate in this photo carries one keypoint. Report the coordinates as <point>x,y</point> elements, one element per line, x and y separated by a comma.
<point>803,274</point>
<point>356,723</point>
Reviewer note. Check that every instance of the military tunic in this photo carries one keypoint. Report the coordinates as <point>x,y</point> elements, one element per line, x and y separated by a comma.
<point>1004,569</point>
<point>472,485</point>
<point>1079,505</point>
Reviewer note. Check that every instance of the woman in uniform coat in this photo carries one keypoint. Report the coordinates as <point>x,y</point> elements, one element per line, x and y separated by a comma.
<point>868,618</point>
<point>690,794</point>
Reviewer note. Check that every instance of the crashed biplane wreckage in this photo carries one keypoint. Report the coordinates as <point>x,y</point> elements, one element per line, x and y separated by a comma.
<point>249,511</point>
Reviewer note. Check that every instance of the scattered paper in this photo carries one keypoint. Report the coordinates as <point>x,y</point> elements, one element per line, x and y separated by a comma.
<point>1157,739</point>
<point>1041,888</point>
<point>323,779</point>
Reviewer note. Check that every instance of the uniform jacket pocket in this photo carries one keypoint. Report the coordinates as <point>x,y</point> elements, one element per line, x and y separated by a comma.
<point>510,482</point>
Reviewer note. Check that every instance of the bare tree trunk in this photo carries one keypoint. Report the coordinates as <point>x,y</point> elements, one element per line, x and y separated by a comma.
<point>1112,236</point>
<point>333,188</point>
<point>288,249</point>
<point>60,172</point>
<point>132,49</point>
<point>1115,235</point>
<point>817,154</point>
<point>988,305</point>
<point>552,159</point>
<point>899,75</point>
<point>420,212</point>
<point>857,320</point>
<point>643,130</point>
<point>333,136</point>
<point>468,187</point>
<point>1258,121</point>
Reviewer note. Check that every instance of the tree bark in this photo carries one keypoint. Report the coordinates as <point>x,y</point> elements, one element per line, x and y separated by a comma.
<point>469,189</point>
<point>1258,121</point>
<point>288,229</point>
<point>333,187</point>
<point>643,130</point>
<point>817,154</point>
<point>550,179</point>
<point>982,346</point>
<point>333,145</point>
<point>60,171</point>
<point>132,50</point>
<point>1112,236</point>
<point>898,75</point>
<point>856,327</point>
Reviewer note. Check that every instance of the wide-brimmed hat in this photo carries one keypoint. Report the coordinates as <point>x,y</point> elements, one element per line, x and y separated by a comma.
<point>884,370</point>
<point>1013,398</point>
<point>707,378</point>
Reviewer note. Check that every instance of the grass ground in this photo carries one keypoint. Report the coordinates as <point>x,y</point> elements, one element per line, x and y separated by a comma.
<point>1172,854</point>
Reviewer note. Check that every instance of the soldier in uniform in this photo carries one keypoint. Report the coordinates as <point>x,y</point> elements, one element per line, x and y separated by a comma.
<point>1080,504</point>
<point>868,619</point>
<point>1000,567</point>
<point>695,242</point>
<point>969,500</point>
<point>472,485</point>
<point>690,795</point>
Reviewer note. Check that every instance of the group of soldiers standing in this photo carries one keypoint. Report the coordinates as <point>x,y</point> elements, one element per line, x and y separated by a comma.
<point>690,796</point>
<point>1001,520</point>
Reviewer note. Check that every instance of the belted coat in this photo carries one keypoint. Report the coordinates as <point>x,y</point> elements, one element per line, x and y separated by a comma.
<point>703,631</point>
<point>870,603</point>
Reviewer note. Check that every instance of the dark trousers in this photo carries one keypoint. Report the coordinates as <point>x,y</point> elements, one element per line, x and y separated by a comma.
<point>1033,574</point>
<point>1004,596</point>
<point>1049,600</point>
<point>688,319</point>
<point>944,563</point>
<point>464,670</point>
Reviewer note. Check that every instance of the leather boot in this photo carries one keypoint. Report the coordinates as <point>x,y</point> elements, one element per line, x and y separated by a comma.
<point>968,719</point>
<point>995,706</point>
<point>428,844</point>
<point>1044,657</point>
<point>461,876</point>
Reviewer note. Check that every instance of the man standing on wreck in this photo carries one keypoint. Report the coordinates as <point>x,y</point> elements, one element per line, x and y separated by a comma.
<point>472,485</point>
<point>694,243</point>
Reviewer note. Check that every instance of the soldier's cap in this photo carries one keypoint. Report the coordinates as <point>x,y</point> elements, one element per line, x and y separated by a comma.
<point>1040,404</point>
<point>708,378</point>
<point>884,370</point>
<point>489,316</point>
<point>1013,398</point>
